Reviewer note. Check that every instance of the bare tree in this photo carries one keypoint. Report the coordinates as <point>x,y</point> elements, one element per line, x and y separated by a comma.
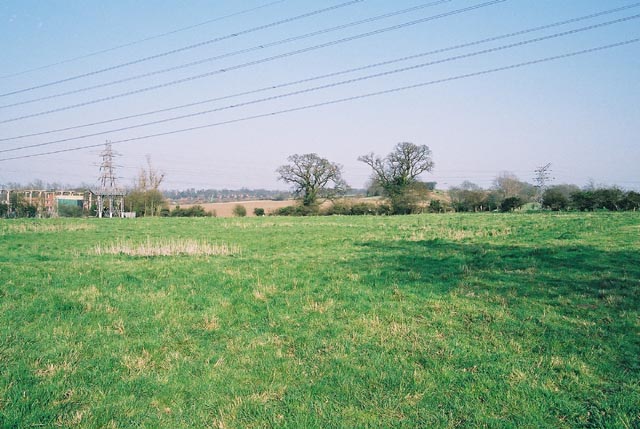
<point>397,173</point>
<point>508,185</point>
<point>146,198</point>
<point>468,197</point>
<point>149,178</point>
<point>312,177</point>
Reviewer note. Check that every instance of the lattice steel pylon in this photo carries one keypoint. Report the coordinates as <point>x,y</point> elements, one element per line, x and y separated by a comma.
<point>109,197</point>
<point>542,178</point>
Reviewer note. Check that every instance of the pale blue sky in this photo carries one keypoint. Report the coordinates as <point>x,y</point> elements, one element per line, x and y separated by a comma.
<point>581,113</point>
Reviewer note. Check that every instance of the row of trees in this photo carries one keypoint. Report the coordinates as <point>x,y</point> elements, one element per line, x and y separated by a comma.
<point>396,178</point>
<point>395,175</point>
<point>570,197</point>
<point>192,195</point>
<point>509,194</point>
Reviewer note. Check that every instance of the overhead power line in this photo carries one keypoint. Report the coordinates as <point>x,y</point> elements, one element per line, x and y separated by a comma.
<point>188,47</point>
<point>227,55</point>
<point>139,41</point>
<point>339,100</point>
<point>290,83</point>
<point>330,85</point>
<point>256,62</point>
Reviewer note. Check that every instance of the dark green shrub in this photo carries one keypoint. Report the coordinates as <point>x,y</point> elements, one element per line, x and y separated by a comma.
<point>27,210</point>
<point>284,211</point>
<point>69,211</point>
<point>239,210</point>
<point>384,210</point>
<point>340,208</point>
<point>349,208</point>
<point>630,201</point>
<point>510,204</point>
<point>612,199</point>
<point>295,211</point>
<point>193,211</point>
<point>608,198</point>
<point>362,208</point>
<point>258,211</point>
<point>554,199</point>
<point>436,206</point>
<point>583,201</point>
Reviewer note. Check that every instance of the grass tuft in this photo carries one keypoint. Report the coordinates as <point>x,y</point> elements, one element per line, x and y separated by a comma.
<point>38,226</point>
<point>166,248</point>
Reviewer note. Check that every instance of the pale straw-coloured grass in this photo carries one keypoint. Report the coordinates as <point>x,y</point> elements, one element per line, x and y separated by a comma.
<point>11,227</point>
<point>152,247</point>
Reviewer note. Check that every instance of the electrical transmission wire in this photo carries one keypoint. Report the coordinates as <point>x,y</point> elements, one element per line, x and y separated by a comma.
<point>332,85</point>
<point>255,62</point>
<point>188,47</point>
<point>227,55</point>
<point>271,87</point>
<point>139,41</point>
<point>339,100</point>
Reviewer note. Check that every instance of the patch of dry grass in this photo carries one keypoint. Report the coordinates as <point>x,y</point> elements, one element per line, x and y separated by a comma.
<point>210,323</point>
<point>166,248</point>
<point>50,369</point>
<point>452,234</point>
<point>138,364</point>
<point>21,227</point>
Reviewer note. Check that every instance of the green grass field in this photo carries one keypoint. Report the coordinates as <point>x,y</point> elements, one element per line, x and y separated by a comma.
<point>487,320</point>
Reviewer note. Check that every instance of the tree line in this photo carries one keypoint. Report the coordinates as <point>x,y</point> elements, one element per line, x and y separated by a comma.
<point>394,178</point>
<point>193,195</point>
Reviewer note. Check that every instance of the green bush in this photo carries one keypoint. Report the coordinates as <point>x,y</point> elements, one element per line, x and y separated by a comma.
<point>510,204</point>
<point>25,210</point>
<point>258,211</point>
<point>612,199</point>
<point>436,206</point>
<point>69,211</point>
<point>631,201</point>
<point>349,208</point>
<point>193,211</point>
<point>145,203</point>
<point>239,210</point>
<point>295,211</point>
<point>554,199</point>
<point>341,208</point>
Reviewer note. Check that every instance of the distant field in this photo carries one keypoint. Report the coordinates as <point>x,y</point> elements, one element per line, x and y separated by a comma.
<point>434,321</point>
<point>226,209</point>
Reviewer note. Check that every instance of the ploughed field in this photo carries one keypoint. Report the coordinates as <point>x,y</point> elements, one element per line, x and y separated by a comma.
<point>226,209</point>
<point>457,320</point>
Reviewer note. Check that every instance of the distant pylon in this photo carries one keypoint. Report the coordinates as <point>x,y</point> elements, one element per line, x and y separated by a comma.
<point>110,198</point>
<point>107,170</point>
<point>543,176</point>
